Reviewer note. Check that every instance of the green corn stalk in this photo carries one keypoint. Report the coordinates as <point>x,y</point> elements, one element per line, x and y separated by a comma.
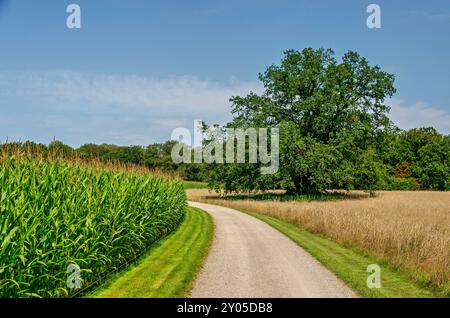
<point>53,214</point>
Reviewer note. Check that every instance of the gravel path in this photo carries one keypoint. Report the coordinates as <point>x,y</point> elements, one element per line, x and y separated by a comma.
<point>250,259</point>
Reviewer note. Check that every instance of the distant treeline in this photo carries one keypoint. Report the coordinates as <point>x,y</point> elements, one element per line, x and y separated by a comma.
<point>408,160</point>
<point>156,156</point>
<point>416,159</point>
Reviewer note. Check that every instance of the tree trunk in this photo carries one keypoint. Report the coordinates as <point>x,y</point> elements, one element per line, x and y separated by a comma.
<point>302,185</point>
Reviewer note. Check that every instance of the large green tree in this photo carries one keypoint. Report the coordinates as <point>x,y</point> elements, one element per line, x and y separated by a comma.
<point>332,118</point>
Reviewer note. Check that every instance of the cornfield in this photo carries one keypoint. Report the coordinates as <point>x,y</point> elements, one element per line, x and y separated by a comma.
<point>56,214</point>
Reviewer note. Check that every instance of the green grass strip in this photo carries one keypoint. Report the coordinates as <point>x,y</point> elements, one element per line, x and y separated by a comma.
<point>170,267</point>
<point>195,185</point>
<point>349,265</point>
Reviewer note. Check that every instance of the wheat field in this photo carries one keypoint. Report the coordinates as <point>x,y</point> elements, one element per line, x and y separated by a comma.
<point>410,230</point>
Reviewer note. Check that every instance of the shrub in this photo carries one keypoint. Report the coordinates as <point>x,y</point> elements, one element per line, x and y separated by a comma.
<point>401,184</point>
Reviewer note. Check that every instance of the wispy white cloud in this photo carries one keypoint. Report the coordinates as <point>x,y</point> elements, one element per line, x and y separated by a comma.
<point>439,16</point>
<point>419,114</point>
<point>84,107</point>
<point>186,93</point>
<point>79,108</point>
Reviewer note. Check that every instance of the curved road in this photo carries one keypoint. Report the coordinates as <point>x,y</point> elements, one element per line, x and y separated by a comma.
<point>250,259</point>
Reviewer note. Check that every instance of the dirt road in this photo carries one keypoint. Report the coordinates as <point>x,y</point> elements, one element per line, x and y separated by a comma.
<point>249,258</point>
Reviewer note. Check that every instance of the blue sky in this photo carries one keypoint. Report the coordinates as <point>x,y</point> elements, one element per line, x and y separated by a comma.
<point>138,69</point>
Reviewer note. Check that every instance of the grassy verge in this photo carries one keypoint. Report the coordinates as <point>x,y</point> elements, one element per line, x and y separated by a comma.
<point>195,185</point>
<point>170,267</point>
<point>348,264</point>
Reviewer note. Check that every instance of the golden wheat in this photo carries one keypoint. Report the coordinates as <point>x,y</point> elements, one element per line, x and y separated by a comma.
<point>410,230</point>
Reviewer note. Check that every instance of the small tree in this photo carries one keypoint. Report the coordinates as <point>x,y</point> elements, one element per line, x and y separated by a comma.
<point>59,149</point>
<point>426,154</point>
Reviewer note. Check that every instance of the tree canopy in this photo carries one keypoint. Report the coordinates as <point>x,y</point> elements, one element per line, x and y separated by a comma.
<point>332,118</point>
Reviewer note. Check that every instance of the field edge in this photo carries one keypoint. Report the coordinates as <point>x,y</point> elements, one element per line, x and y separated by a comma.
<point>170,267</point>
